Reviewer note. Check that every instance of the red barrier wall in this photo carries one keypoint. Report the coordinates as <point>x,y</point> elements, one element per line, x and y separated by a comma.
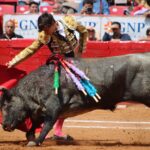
<point>8,49</point>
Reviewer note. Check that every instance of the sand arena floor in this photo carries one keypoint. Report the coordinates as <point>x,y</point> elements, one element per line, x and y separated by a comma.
<point>122,129</point>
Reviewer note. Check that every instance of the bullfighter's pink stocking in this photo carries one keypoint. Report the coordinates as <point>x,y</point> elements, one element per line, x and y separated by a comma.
<point>58,127</point>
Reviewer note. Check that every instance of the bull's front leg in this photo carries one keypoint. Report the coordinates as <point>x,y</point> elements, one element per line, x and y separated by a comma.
<point>47,126</point>
<point>30,135</point>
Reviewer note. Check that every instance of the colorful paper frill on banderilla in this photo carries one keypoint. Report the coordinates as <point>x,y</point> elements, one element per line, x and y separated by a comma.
<point>56,80</point>
<point>78,77</point>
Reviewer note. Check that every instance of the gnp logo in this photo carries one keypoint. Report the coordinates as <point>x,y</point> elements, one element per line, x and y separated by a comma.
<point>128,27</point>
<point>28,25</point>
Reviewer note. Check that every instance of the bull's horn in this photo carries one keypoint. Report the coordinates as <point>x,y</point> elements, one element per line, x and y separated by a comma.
<point>5,91</point>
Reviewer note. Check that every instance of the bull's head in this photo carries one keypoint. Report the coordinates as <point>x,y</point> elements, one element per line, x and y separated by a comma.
<point>12,108</point>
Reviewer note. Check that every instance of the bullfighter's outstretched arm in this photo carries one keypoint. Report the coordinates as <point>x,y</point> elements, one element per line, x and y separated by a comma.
<point>30,50</point>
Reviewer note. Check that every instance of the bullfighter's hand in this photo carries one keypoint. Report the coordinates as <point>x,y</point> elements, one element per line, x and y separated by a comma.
<point>9,64</point>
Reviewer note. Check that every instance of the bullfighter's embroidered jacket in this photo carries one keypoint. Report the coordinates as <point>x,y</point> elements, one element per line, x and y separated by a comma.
<point>56,42</point>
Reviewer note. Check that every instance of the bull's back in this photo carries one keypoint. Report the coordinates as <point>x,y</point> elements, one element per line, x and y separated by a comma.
<point>98,70</point>
<point>140,84</point>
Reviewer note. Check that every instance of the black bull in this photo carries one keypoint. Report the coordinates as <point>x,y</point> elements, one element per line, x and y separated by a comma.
<point>117,79</point>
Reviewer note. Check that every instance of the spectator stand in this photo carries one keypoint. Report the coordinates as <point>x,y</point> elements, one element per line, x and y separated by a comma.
<point>48,9</point>
<point>50,2</point>
<point>22,9</point>
<point>119,8</point>
<point>7,9</point>
<point>121,2</point>
<point>9,2</point>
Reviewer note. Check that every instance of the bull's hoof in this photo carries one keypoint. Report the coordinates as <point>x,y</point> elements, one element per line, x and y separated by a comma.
<point>30,138</point>
<point>31,144</point>
<point>62,138</point>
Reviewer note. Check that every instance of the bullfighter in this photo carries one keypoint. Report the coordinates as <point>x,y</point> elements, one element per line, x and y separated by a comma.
<point>60,38</point>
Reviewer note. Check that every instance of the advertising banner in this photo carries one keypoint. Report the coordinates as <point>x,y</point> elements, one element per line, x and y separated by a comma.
<point>134,26</point>
<point>26,25</point>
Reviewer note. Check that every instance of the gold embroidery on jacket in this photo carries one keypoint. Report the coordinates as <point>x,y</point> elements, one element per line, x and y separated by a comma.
<point>43,37</point>
<point>64,46</point>
<point>70,22</point>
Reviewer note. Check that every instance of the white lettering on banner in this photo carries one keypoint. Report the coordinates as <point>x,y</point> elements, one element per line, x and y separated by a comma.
<point>26,25</point>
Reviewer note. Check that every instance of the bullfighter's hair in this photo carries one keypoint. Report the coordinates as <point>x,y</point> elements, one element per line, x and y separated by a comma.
<point>45,20</point>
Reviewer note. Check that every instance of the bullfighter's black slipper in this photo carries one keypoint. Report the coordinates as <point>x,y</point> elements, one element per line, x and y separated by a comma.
<point>62,138</point>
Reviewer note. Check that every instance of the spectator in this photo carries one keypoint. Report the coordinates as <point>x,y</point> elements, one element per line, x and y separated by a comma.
<point>140,7</point>
<point>23,2</point>
<point>33,8</point>
<point>117,35</point>
<point>69,8</point>
<point>65,7</point>
<point>147,38</point>
<point>147,14</point>
<point>9,31</point>
<point>57,9</point>
<point>87,7</point>
<point>91,34</point>
<point>27,2</point>
<point>99,7</point>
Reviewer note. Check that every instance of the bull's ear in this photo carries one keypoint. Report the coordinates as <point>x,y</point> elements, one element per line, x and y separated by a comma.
<point>5,93</point>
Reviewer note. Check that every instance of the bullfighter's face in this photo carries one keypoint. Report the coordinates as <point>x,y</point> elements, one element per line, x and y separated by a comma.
<point>51,29</point>
<point>12,112</point>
